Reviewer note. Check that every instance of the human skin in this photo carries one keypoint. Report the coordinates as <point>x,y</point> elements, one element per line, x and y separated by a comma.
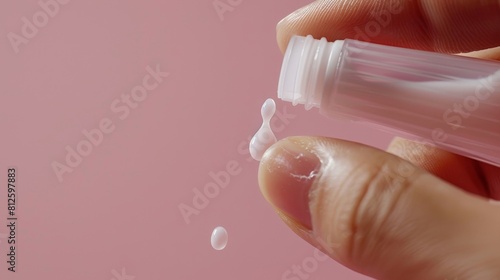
<point>413,211</point>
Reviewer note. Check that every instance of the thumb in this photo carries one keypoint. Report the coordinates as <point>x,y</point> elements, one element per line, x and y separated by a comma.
<point>378,214</point>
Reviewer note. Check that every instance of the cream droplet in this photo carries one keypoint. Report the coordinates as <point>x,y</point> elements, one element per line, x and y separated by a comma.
<point>264,138</point>
<point>219,238</point>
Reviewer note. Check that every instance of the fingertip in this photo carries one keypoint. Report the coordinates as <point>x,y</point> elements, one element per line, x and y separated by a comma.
<point>286,174</point>
<point>293,24</point>
<point>280,39</point>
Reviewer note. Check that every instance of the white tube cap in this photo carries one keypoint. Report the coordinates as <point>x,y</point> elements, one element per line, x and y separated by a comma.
<point>306,66</point>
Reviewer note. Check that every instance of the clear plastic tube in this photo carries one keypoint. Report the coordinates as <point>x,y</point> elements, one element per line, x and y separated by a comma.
<point>448,100</point>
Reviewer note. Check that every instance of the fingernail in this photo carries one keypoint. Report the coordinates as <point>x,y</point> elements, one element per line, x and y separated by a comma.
<point>286,174</point>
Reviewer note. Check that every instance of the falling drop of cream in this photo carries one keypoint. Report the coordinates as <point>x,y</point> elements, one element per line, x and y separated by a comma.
<point>264,138</point>
<point>219,238</point>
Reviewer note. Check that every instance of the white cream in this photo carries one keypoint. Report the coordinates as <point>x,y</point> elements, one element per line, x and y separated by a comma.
<point>264,138</point>
<point>219,238</point>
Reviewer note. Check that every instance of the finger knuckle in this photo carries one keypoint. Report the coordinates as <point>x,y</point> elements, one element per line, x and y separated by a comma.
<point>381,187</point>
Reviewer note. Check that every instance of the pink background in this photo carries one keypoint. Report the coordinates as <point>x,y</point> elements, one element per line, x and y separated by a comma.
<point>118,209</point>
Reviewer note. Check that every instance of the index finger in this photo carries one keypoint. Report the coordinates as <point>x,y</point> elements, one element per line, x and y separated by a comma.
<point>450,26</point>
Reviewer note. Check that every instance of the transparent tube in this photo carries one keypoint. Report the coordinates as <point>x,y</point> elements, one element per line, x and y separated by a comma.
<point>450,101</point>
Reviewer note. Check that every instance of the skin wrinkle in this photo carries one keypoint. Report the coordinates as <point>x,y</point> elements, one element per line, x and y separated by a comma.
<point>387,226</point>
<point>377,191</point>
<point>315,203</point>
<point>319,200</point>
<point>357,207</point>
<point>322,199</point>
<point>359,248</point>
<point>421,241</point>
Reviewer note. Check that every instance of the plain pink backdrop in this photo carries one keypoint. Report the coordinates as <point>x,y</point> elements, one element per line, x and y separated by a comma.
<point>119,208</point>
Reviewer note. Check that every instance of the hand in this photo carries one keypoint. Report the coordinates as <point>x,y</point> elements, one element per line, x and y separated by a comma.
<point>414,212</point>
